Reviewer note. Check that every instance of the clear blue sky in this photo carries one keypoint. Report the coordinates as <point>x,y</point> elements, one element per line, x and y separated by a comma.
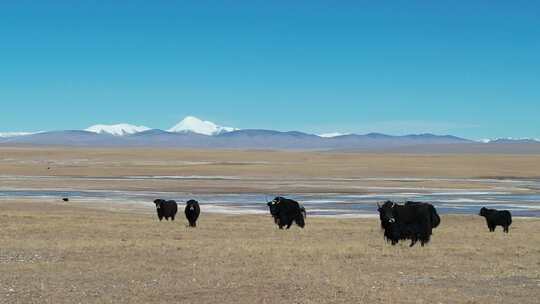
<point>468,68</point>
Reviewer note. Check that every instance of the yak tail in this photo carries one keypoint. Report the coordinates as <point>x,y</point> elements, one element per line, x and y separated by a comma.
<point>435,219</point>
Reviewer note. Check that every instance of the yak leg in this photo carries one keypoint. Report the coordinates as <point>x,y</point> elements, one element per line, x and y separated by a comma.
<point>284,221</point>
<point>425,233</point>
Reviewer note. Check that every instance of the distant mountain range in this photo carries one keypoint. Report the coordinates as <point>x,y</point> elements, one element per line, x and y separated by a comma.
<point>195,133</point>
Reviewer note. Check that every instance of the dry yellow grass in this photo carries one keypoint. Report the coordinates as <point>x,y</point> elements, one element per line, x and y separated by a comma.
<point>260,171</point>
<point>75,253</point>
<point>121,161</point>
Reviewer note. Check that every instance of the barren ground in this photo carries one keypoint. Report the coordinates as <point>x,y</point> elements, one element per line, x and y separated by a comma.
<point>78,252</point>
<point>252,171</point>
<point>53,252</point>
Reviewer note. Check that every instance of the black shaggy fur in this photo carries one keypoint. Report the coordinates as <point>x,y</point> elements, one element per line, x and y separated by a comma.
<point>435,218</point>
<point>413,221</point>
<point>286,211</point>
<point>166,209</point>
<point>192,212</point>
<point>496,218</point>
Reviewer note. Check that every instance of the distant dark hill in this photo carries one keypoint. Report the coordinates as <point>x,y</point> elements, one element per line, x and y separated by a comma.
<point>65,138</point>
<point>269,139</point>
<point>531,147</point>
<point>513,141</point>
<point>248,139</point>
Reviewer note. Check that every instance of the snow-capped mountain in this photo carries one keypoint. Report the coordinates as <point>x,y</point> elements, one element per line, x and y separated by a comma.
<point>15,134</point>
<point>510,140</point>
<point>117,130</point>
<point>195,125</point>
<point>192,132</point>
<point>333,134</point>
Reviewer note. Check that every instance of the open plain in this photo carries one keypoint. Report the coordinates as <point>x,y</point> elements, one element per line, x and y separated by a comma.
<point>83,252</point>
<point>53,252</point>
<point>235,171</point>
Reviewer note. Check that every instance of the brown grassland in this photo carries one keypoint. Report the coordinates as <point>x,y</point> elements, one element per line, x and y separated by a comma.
<point>79,252</point>
<point>258,171</point>
<point>120,161</point>
<point>54,252</point>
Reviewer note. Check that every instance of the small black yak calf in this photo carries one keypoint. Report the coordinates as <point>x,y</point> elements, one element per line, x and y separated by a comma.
<point>286,211</point>
<point>166,209</point>
<point>414,221</point>
<point>496,218</point>
<point>192,212</point>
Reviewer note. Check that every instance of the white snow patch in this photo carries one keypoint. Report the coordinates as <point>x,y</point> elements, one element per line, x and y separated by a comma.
<point>333,134</point>
<point>117,130</point>
<point>15,134</point>
<point>488,140</point>
<point>196,125</point>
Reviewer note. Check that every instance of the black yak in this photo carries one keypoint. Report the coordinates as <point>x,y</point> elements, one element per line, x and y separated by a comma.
<point>496,218</point>
<point>413,221</point>
<point>286,211</point>
<point>435,219</point>
<point>166,209</point>
<point>65,199</point>
<point>192,212</point>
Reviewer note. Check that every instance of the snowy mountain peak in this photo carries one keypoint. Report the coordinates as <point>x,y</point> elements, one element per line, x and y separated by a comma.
<point>333,134</point>
<point>117,130</point>
<point>510,139</point>
<point>195,125</point>
<point>15,134</point>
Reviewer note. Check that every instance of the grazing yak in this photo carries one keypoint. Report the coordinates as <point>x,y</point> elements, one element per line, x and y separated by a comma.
<point>435,219</point>
<point>166,209</point>
<point>192,212</point>
<point>65,199</point>
<point>413,221</point>
<point>496,218</point>
<point>286,211</point>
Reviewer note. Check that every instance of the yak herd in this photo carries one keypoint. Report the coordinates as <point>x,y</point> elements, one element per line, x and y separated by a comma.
<point>168,209</point>
<point>412,221</point>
